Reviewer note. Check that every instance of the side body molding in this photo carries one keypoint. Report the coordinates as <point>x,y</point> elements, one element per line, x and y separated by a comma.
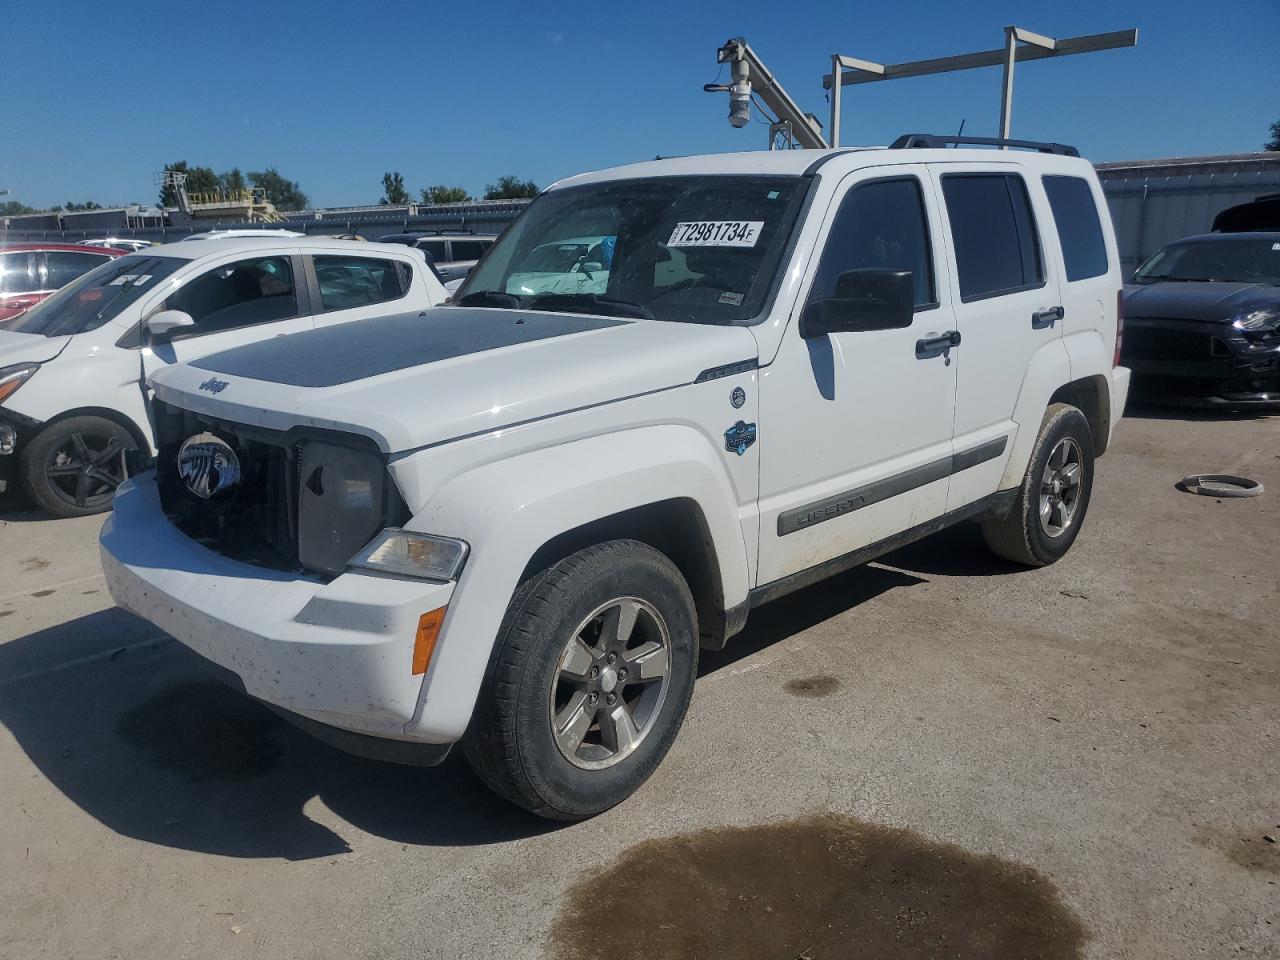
<point>508,508</point>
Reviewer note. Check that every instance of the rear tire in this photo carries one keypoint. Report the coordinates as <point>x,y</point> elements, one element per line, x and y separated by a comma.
<point>1046,516</point>
<point>588,683</point>
<point>72,468</point>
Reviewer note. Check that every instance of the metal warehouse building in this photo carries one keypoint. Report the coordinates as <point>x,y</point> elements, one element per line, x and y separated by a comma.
<point>1156,201</point>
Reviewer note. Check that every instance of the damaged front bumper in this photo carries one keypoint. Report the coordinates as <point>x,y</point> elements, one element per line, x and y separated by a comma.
<point>1200,363</point>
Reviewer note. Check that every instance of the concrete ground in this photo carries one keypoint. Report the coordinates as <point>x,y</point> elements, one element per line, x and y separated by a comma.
<point>1110,722</point>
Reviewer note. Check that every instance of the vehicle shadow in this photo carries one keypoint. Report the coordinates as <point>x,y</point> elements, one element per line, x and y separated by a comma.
<point>14,508</point>
<point>957,551</point>
<point>1143,410</point>
<point>134,730</point>
<point>144,740</point>
<point>785,617</point>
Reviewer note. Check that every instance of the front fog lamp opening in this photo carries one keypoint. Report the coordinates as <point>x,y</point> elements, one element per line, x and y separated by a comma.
<point>413,555</point>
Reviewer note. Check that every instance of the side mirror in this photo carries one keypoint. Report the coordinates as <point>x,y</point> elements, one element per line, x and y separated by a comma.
<point>162,325</point>
<point>869,298</point>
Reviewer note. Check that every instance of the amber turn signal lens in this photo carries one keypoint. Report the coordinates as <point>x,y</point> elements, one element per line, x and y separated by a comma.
<point>424,644</point>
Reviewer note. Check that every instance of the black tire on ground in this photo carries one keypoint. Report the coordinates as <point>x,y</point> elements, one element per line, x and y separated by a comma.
<point>1021,535</point>
<point>71,468</point>
<point>510,743</point>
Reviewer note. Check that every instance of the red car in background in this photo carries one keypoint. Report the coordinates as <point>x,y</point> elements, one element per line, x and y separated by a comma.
<point>29,272</point>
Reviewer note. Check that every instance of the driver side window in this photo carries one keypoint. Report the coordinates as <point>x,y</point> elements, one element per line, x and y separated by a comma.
<point>240,294</point>
<point>879,224</point>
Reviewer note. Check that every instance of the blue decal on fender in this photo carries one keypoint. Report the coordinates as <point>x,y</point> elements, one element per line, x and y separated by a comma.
<point>740,436</point>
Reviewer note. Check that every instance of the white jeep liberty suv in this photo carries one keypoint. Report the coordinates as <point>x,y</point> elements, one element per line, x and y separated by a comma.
<point>512,523</point>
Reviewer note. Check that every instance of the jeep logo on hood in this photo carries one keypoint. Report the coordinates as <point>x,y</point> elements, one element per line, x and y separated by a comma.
<point>214,385</point>
<point>208,465</point>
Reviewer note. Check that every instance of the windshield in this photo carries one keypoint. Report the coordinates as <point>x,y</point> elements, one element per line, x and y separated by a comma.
<point>97,297</point>
<point>690,249</point>
<point>1238,260</point>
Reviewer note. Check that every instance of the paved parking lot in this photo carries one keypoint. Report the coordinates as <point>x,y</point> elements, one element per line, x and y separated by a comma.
<point>936,755</point>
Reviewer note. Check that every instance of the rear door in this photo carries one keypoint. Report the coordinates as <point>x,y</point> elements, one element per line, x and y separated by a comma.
<point>1007,307</point>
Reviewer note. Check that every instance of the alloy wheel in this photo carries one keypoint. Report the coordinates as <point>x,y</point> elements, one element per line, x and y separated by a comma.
<point>87,468</point>
<point>1060,487</point>
<point>610,683</point>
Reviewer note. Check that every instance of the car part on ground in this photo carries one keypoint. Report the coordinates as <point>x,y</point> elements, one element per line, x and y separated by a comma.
<point>1220,485</point>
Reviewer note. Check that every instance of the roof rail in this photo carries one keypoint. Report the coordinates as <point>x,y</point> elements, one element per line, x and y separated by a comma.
<point>918,141</point>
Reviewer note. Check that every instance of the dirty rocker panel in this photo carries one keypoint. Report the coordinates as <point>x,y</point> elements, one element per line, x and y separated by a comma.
<point>800,518</point>
<point>996,503</point>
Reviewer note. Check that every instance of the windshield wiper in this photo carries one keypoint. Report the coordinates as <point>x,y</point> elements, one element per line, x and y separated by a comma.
<point>1172,279</point>
<point>490,298</point>
<point>566,301</point>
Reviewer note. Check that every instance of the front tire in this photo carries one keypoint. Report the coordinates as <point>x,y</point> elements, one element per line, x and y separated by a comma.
<point>589,681</point>
<point>1046,516</point>
<point>72,468</point>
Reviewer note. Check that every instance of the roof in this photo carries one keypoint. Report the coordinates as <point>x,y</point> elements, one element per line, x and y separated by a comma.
<point>1272,235</point>
<point>799,162</point>
<point>221,245</point>
<point>73,247</point>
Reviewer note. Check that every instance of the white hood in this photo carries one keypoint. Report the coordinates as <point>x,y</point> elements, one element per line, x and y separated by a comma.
<point>410,381</point>
<point>29,347</point>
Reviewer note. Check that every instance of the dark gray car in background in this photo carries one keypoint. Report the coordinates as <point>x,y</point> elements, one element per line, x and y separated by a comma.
<point>1202,322</point>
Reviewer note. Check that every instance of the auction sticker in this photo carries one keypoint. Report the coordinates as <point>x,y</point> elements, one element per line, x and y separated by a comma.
<point>716,233</point>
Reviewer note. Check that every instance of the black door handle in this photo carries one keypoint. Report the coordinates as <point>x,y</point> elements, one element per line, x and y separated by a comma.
<point>938,346</point>
<point>1047,318</point>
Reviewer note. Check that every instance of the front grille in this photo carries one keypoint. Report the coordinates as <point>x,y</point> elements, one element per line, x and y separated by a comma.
<point>1177,346</point>
<point>273,515</point>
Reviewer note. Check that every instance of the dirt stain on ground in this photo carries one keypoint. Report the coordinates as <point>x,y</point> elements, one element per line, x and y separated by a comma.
<point>821,686</point>
<point>43,593</point>
<point>205,731</point>
<point>34,563</point>
<point>6,613</point>
<point>818,888</point>
<point>1247,848</point>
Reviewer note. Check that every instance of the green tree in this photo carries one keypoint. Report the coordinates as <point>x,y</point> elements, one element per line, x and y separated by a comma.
<point>511,188</point>
<point>199,180</point>
<point>1274,142</point>
<point>443,194</point>
<point>73,207</point>
<point>393,189</point>
<point>285,194</point>
<point>12,208</point>
<point>232,181</point>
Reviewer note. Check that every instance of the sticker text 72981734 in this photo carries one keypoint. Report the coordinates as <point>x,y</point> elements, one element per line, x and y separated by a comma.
<point>716,233</point>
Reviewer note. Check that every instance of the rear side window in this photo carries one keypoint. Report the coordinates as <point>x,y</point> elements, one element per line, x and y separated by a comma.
<point>435,248</point>
<point>467,249</point>
<point>63,266</point>
<point>994,234</point>
<point>347,282</point>
<point>17,273</point>
<point>1079,230</point>
<point>879,224</point>
<point>241,294</point>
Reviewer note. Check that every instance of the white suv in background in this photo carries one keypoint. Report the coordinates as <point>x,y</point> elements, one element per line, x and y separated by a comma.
<point>73,369</point>
<point>512,526</point>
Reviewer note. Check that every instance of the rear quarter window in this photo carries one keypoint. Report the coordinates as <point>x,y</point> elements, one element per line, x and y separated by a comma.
<point>994,234</point>
<point>1075,213</point>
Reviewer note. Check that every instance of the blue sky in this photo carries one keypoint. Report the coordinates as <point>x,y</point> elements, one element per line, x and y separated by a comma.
<point>96,96</point>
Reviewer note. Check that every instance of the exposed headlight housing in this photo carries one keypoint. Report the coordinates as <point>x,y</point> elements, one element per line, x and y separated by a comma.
<point>418,555</point>
<point>1265,320</point>
<point>11,378</point>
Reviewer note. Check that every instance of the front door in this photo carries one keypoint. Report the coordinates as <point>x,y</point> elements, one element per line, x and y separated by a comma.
<point>856,428</point>
<point>232,303</point>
